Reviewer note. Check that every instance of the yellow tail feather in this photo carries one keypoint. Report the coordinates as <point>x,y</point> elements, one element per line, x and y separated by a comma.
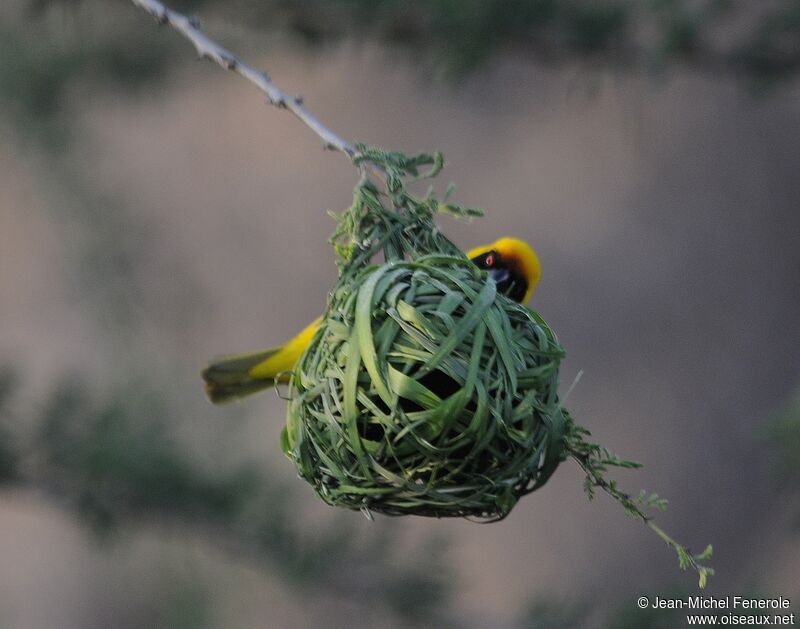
<point>228,378</point>
<point>232,377</point>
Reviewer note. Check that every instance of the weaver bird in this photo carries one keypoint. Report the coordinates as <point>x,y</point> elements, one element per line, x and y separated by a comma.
<point>510,262</point>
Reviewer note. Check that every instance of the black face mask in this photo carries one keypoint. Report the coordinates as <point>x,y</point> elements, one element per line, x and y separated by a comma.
<point>509,281</point>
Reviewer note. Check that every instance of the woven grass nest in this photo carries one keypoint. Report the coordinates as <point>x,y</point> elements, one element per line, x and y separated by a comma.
<point>425,391</point>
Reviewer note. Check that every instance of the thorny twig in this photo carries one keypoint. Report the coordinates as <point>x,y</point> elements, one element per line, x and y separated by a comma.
<point>208,49</point>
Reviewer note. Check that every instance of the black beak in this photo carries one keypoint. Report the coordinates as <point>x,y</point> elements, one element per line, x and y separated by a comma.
<point>500,276</point>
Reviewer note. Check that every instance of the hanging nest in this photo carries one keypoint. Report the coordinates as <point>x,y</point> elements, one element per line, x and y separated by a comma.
<point>425,391</point>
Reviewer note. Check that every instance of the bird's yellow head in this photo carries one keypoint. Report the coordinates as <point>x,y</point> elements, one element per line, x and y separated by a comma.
<point>513,264</point>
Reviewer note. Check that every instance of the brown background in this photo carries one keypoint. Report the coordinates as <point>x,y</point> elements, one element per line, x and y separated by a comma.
<point>665,213</point>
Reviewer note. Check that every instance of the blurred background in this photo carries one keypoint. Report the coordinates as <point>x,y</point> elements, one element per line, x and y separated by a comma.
<point>154,212</point>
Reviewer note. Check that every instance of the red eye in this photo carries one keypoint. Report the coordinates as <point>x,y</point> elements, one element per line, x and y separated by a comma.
<point>489,260</point>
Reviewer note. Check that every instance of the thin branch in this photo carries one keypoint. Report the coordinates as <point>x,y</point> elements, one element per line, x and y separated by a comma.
<point>685,556</point>
<point>208,49</point>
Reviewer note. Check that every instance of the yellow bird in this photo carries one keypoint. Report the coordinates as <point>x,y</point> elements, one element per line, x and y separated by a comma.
<point>511,262</point>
